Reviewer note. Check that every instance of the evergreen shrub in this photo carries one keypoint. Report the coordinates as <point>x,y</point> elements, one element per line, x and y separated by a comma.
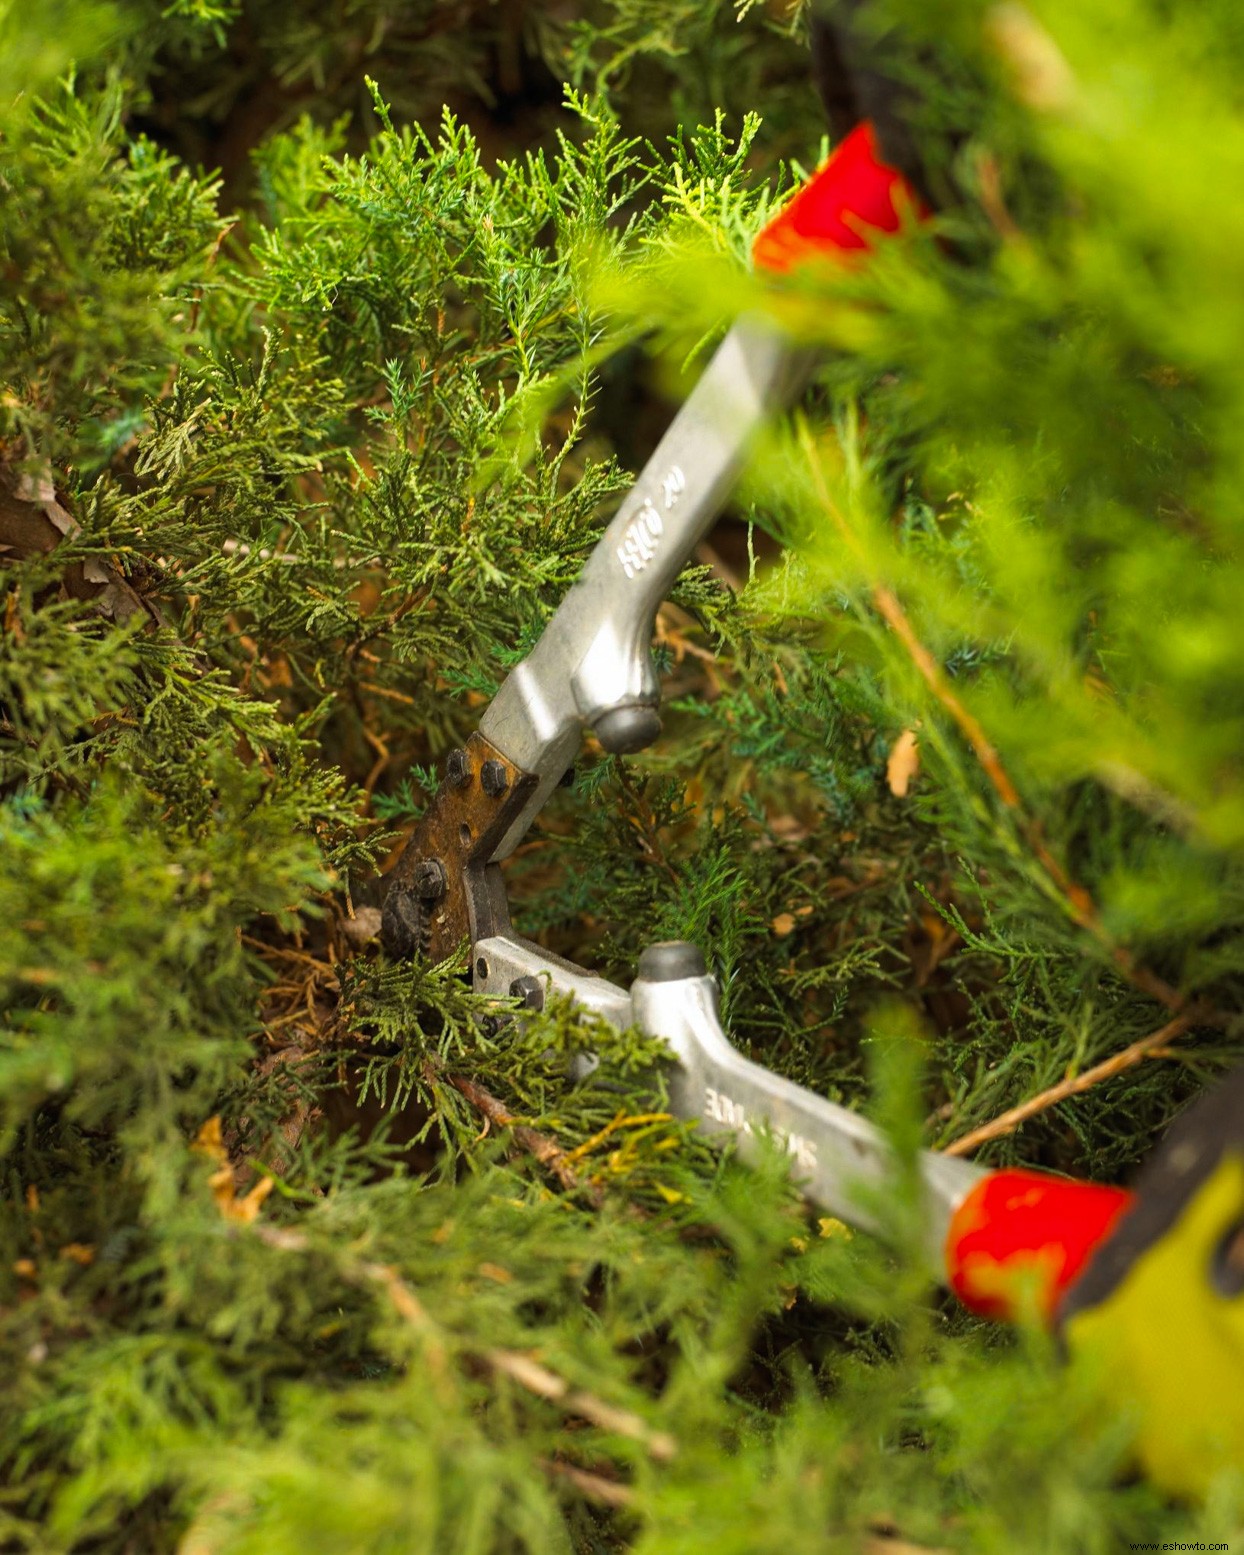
<point>301,1250</point>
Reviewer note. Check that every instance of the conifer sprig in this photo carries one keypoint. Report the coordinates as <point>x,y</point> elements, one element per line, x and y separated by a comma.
<point>301,1250</point>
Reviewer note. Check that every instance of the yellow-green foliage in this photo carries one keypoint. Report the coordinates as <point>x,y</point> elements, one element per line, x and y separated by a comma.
<point>274,1274</point>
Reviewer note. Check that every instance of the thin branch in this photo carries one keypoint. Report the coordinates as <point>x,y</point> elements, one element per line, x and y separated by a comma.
<point>1080,904</point>
<point>934,677</point>
<point>528,1373</point>
<point>605,1492</point>
<point>538,1379</point>
<point>545,1150</point>
<point>644,822</point>
<point>1152,1046</point>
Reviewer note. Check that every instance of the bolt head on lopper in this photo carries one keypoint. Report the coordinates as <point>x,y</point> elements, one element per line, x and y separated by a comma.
<point>672,960</point>
<point>494,779</point>
<point>428,880</point>
<point>457,768</point>
<point>530,990</point>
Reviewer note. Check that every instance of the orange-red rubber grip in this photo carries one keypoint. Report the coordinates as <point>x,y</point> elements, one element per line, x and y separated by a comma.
<point>1021,1236</point>
<point>851,198</point>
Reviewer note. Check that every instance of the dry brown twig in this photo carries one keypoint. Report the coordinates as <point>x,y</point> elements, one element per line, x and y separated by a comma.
<point>545,1150</point>
<point>528,1373</point>
<point>307,1016</point>
<point>1152,1046</point>
<point>1080,905</point>
<point>605,1492</point>
<point>644,822</point>
<point>538,1379</point>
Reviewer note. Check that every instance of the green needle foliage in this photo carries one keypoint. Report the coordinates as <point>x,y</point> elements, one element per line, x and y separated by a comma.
<point>305,1251</point>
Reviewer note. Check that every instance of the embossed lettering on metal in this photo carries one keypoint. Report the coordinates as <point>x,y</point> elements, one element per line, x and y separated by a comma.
<point>723,1109</point>
<point>673,486</point>
<point>639,543</point>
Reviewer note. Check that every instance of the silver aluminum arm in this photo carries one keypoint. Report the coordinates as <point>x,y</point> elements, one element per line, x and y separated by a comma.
<point>842,1162</point>
<point>592,667</point>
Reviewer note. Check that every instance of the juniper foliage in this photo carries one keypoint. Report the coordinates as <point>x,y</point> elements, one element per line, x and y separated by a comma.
<point>305,1251</point>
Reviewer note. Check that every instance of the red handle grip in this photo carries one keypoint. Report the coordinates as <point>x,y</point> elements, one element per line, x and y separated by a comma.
<point>1017,1229</point>
<point>852,198</point>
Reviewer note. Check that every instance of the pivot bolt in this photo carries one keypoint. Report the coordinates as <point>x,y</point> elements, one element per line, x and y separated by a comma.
<point>670,961</point>
<point>428,880</point>
<point>530,990</point>
<point>402,925</point>
<point>457,768</point>
<point>625,730</point>
<point>494,779</point>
